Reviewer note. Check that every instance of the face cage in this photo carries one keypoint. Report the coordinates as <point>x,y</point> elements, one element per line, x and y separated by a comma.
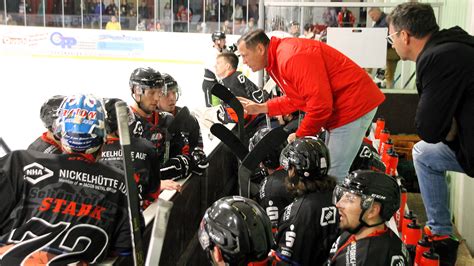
<point>167,88</point>
<point>339,191</point>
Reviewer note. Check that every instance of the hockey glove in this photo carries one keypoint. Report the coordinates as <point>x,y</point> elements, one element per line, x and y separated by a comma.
<point>176,168</point>
<point>200,161</point>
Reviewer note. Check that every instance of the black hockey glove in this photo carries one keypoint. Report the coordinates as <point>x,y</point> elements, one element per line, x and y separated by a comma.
<point>200,161</point>
<point>177,168</point>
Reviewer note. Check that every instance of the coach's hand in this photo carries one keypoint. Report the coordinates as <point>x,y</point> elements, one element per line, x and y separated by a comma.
<point>253,108</point>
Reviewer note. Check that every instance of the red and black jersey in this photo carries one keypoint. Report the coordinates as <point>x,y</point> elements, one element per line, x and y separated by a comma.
<point>307,229</point>
<point>152,129</point>
<point>274,197</point>
<point>145,162</point>
<point>382,247</point>
<point>63,208</point>
<point>45,144</point>
<point>187,137</point>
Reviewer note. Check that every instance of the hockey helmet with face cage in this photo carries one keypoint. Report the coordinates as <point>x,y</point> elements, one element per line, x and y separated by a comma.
<point>111,124</point>
<point>309,156</point>
<point>371,186</point>
<point>239,227</point>
<point>81,124</point>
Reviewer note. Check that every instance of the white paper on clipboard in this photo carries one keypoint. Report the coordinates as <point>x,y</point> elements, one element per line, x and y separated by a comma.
<point>365,46</point>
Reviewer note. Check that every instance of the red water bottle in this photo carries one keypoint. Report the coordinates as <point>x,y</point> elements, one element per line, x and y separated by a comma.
<point>401,211</point>
<point>387,145</point>
<point>422,246</point>
<point>379,126</point>
<point>429,258</point>
<point>384,135</point>
<point>392,165</point>
<point>412,233</point>
<point>386,158</point>
<point>406,220</point>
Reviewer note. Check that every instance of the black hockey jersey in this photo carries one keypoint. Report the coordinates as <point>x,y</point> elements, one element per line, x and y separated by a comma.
<point>62,208</point>
<point>382,247</point>
<point>241,86</point>
<point>274,197</point>
<point>307,229</point>
<point>152,129</point>
<point>145,162</point>
<point>45,145</point>
<point>187,137</point>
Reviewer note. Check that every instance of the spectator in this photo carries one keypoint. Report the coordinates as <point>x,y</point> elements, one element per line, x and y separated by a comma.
<point>167,16</point>
<point>380,19</point>
<point>365,201</point>
<point>330,17</point>
<point>334,91</point>
<point>294,28</point>
<point>142,25</point>
<point>113,24</point>
<point>111,9</point>
<point>444,114</point>
<point>308,31</point>
<point>143,10</point>
<point>345,18</point>
<point>238,13</point>
<point>124,9</point>
<point>250,26</point>
<point>227,27</point>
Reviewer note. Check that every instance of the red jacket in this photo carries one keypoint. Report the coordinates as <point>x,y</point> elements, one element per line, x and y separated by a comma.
<point>321,81</point>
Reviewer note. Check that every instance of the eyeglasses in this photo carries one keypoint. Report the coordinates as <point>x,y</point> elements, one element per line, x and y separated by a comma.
<point>390,37</point>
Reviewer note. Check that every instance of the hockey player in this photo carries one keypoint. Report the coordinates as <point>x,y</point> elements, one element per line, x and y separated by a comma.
<point>188,136</point>
<point>144,155</point>
<point>236,231</point>
<point>309,224</point>
<point>147,85</point>
<point>66,208</point>
<point>273,195</point>
<point>366,200</point>
<point>48,142</point>
<point>219,45</point>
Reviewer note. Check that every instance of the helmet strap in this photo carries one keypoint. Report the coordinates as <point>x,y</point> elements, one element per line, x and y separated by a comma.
<point>362,223</point>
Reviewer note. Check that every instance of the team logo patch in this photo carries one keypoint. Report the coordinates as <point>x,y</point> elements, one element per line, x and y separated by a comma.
<point>365,152</point>
<point>35,173</point>
<point>328,215</point>
<point>397,260</point>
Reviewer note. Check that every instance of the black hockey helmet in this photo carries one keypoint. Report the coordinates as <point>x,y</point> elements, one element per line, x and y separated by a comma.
<point>272,159</point>
<point>371,186</point>
<point>171,85</point>
<point>309,156</point>
<point>239,227</point>
<point>145,78</point>
<point>111,124</point>
<point>218,35</point>
<point>49,111</point>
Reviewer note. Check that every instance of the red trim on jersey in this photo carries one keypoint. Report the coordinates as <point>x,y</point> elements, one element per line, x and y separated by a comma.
<point>352,238</point>
<point>50,141</point>
<point>259,263</point>
<point>153,118</point>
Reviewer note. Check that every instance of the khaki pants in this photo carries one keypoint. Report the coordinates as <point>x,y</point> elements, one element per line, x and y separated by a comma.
<point>392,60</point>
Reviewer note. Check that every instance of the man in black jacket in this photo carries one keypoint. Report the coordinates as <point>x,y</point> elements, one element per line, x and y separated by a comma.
<point>444,118</point>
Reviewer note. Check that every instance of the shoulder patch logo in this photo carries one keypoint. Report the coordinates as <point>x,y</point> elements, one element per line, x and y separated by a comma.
<point>328,215</point>
<point>397,260</point>
<point>35,173</point>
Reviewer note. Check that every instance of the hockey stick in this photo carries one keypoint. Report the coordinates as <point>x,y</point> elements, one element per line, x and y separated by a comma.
<point>230,140</point>
<point>132,193</point>
<point>227,97</point>
<point>262,149</point>
<point>173,128</point>
<point>158,232</point>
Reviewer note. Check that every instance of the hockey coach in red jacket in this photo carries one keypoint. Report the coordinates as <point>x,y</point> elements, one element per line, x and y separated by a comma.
<point>333,91</point>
